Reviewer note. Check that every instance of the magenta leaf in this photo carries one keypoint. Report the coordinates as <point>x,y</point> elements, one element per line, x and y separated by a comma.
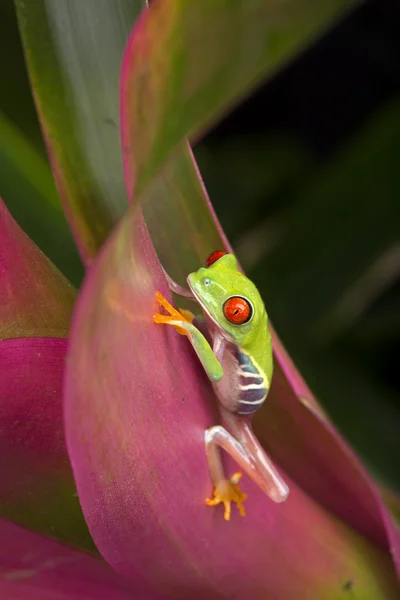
<point>135,432</point>
<point>33,567</point>
<point>37,488</point>
<point>315,455</point>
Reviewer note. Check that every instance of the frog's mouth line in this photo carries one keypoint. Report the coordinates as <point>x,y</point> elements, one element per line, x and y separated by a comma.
<point>204,308</point>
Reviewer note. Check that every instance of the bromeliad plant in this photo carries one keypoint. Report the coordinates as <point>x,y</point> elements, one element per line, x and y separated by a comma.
<point>135,401</point>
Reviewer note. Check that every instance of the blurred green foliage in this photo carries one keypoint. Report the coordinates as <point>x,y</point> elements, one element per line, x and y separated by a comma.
<point>313,212</point>
<point>26,181</point>
<point>317,229</point>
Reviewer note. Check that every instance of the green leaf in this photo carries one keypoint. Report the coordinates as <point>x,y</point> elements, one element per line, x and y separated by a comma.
<point>73,52</point>
<point>28,188</point>
<point>198,59</point>
<point>37,487</point>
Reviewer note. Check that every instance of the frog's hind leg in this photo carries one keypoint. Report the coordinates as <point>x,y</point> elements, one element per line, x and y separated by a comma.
<point>263,471</point>
<point>226,490</point>
<point>250,457</point>
<point>176,288</point>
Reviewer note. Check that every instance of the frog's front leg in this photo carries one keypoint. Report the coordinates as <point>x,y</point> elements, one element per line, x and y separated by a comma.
<point>182,321</point>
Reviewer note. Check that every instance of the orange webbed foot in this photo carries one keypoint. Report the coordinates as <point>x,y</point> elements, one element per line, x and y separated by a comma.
<point>174,316</point>
<point>226,492</point>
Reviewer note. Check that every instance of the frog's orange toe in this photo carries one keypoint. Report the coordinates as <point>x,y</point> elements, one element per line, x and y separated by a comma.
<point>168,307</point>
<point>174,317</point>
<point>226,492</point>
<point>187,315</point>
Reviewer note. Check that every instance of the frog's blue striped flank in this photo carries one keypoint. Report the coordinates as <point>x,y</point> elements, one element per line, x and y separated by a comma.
<point>246,364</point>
<point>253,385</point>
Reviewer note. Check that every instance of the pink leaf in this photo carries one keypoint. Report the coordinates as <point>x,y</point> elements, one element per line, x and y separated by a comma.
<point>135,431</point>
<point>35,568</point>
<point>37,488</point>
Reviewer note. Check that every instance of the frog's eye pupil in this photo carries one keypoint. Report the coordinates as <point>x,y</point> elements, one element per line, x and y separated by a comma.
<point>206,281</point>
<point>214,256</point>
<point>238,310</point>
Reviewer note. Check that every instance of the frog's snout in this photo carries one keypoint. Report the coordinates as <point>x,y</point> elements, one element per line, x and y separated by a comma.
<point>191,280</point>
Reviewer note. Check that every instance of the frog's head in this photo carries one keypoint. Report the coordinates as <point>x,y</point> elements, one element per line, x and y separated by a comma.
<point>231,300</point>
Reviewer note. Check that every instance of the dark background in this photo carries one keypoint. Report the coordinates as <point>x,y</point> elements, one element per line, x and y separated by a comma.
<point>305,178</point>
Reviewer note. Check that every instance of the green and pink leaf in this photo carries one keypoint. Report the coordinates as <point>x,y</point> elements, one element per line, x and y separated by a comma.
<point>37,487</point>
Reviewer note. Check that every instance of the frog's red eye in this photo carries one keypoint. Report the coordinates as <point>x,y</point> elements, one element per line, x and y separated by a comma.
<point>238,310</point>
<point>214,256</point>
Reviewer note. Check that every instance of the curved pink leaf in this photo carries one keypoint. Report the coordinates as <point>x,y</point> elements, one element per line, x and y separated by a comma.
<point>315,455</point>
<point>392,501</point>
<point>37,487</point>
<point>33,567</point>
<point>36,299</point>
<point>136,407</point>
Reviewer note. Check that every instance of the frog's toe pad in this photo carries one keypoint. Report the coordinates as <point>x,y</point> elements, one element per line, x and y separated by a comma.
<point>228,491</point>
<point>174,318</point>
<point>187,315</point>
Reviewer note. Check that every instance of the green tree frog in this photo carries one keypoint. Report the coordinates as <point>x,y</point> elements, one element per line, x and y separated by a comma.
<point>233,342</point>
